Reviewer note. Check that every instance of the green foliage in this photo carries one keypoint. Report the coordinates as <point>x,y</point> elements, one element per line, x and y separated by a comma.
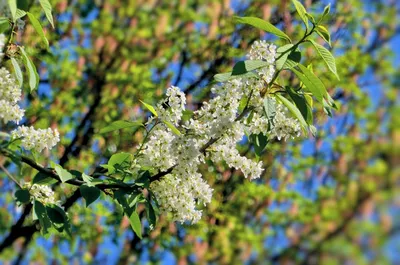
<point>118,125</point>
<point>263,25</point>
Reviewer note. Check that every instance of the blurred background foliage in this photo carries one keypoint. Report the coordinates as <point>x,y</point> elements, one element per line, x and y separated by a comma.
<point>332,199</point>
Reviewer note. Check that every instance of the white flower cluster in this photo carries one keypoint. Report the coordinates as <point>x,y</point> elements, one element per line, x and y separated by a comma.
<point>261,50</point>
<point>212,132</point>
<point>282,126</point>
<point>10,94</point>
<point>37,139</point>
<point>42,193</point>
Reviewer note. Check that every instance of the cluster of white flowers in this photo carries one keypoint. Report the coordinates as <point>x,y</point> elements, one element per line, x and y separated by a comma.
<point>37,139</point>
<point>10,94</point>
<point>216,122</point>
<point>42,193</point>
<point>261,50</point>
<point>284,127</point>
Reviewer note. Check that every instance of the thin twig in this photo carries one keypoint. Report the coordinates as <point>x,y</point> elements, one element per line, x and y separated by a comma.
<point>10,176</point>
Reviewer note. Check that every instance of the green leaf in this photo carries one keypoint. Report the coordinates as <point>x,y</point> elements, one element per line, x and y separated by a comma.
<point>22,196</point>
<point>327,56</point>
<point>259,141</point>
<point>90,194</point>
<point>118,160</point>
<point>172,127</point>
<point>286,59</point>
<point>20,13</point>
<point>39,213</point>
<point>32,72</point>
<point>36,25</point>
<point>18,72</point>
<point>269,108</point>
<point>43,179</point>
<point>47,10</point>
<point>12,4</point>
<point>301,11</point>
<point>327,9</point>
<point>243,67</point>
<point>63,173</point>
<point>227,76</point>
<point>151,108</point>
<point>263,25</point>
<point>151,214</point>
<point>312,82</point>
<point>187,115</point>
<point>222,77</point>
<point>135,223</point>
<point>58,218</point>
<point>118,125</point>
<point>23,4</point>
<point>294,110</point>
<point>323,33</point>
<point>301,103</point>
<point>4,24</point>
<point>143,179</point>
<point>88,179</point>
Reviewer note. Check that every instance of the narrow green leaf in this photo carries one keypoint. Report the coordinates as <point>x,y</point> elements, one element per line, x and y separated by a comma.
<point>32,72</point>
<point>327,56</point>
<point>63,173</point>
<point>36,25</point>
<point>151,214</point>
<point>172,127</point>
<point>243,67</point>
<point>301,103</point>
<point>4,24</point>
<point>301,11</point>
<point>294,110</point>
<point>327,9</point>
<point>312,82</point>
<point>90,194</point>
<point>135,223</point>
<point>259,141</point>
<point>12,4</point>
<point>223,77</point>
<point>263,25</point>
<point>150,108</point>
<point>118,125</point>
<point>20,13</point>
<point>18,71</point>
<point>323,33</point>
<point>269,108</point>
<point>39,213</point>
<point>47,10</point>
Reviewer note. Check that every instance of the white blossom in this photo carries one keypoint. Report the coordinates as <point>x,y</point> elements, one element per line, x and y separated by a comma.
<point>182,190</point>
<point>10,94</point>
<point>36,139</point>
<point>42,193</point>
